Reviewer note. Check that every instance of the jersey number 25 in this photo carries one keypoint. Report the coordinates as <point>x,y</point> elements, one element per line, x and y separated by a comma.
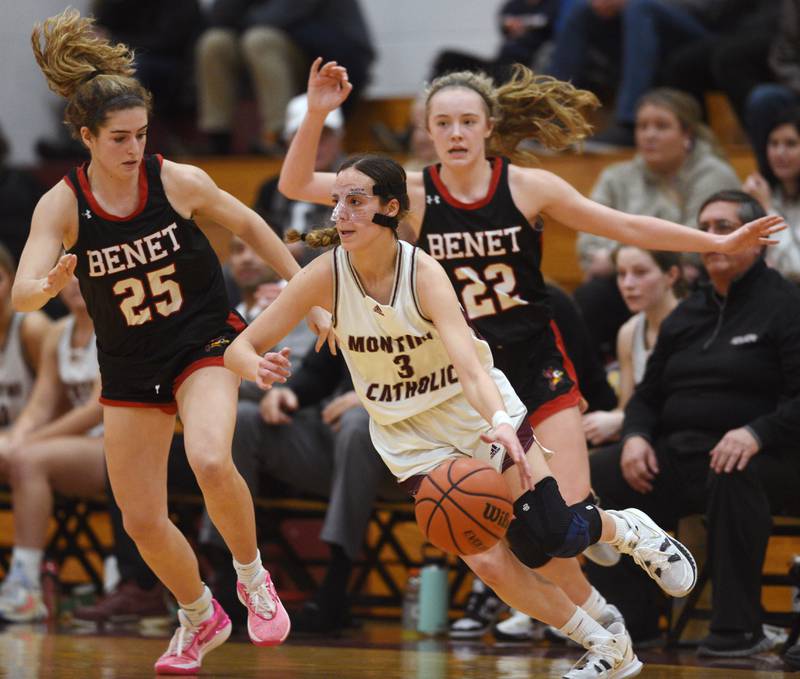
<point>133,306</point>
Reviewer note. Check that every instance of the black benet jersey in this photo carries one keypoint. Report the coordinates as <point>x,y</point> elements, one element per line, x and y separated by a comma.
<point>152,282</point>
<point>492,255</point>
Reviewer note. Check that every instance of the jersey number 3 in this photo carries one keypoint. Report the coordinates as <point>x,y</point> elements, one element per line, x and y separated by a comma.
<point>478,299</point>
<point>133,306</point>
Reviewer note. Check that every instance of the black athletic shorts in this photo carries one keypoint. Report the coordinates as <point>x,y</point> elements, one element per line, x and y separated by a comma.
<point>541,373</point>
<point>154,385</point>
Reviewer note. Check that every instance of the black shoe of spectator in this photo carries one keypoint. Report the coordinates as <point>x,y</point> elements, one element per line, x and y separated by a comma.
<point>615,138</point>
<point>734,645</point>
<point>312,619</point>
<point>481,612</point>
<point>792,657</point>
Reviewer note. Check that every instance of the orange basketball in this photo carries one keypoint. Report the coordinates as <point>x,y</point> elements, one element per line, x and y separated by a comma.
<point>463,506</point>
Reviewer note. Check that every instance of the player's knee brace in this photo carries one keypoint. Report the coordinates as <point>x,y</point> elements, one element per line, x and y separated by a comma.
<point>562,531</point>
<point>525,546</point>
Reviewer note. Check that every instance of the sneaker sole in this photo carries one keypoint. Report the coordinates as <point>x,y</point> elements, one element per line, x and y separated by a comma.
<point>630,670</point>
<point>761,647</point>
<point>269,642</point>
<point>647,521</point>
<point>219,638</point>
<point>474,634</point>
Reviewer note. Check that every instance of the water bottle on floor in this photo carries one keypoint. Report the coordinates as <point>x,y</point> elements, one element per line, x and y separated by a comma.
<point>434,593</point>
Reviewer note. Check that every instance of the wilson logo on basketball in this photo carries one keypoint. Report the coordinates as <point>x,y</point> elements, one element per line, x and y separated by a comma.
<point>496,515</point>
<point>474,540</point>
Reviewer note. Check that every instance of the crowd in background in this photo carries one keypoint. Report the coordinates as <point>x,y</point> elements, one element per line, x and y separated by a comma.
<point>707,375</point>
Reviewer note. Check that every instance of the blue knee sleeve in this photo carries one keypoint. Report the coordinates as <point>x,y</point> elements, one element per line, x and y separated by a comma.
<point>562,531</point>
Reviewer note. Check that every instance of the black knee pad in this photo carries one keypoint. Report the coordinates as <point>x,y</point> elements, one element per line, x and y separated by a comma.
<point>524,546</point>
<point>562,531</point>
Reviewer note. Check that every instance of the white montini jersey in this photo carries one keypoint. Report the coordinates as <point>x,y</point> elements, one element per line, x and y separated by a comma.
<point>16,379</point>
<point>77,366</point>
<point>403,375</point>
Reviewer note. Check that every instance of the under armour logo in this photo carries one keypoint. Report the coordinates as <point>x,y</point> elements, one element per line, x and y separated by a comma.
<point>526,507</point>
<point>87,214</point>
<point>589,507</point>
<point>158,388</point>
<point>433,199</point>
<point>378,310</point>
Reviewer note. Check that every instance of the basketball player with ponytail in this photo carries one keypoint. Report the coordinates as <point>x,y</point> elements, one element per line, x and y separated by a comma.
<point>479,213</point>
<point>154,288</point>
<point>433,395</point>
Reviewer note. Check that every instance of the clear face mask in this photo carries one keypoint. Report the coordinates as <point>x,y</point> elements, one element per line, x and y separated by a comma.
<point>353,206</point>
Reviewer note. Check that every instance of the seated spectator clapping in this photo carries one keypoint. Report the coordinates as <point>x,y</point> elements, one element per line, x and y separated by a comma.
<point>713,429</point>
<point>778,190</point>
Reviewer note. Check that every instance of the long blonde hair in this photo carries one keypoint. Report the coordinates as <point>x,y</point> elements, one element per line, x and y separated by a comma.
<point>528,106</point>
<point>94,76</point>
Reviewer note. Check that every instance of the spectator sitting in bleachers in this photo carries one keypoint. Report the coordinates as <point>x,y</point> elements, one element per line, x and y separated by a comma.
<point>282,213</point>
<point>648,281</point>
<point>638,34</point>
<point>525,25</point>
<point>766,100</point>
<point>778,190</point>
<point>713,429</point>
<point>55,445</point>
<point>276,40</point>
<point>675,167</point>
<point>22,337</point>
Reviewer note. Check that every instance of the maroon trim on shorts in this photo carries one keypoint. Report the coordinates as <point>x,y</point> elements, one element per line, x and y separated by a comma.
<point>194,366</point>
<point>566,401</point>
<point>524,433</point>
<point>168,408</point>
<point>497,168</point>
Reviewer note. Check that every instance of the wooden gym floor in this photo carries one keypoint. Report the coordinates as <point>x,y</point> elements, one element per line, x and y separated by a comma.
<point>377,651</point>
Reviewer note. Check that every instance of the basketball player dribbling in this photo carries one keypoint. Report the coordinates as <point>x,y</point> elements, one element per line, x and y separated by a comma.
<point>154,288</point>
<point>432,394</point>
<point>480,216</point>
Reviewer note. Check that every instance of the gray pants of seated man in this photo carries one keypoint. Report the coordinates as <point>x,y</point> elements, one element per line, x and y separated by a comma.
<point>308,455</point>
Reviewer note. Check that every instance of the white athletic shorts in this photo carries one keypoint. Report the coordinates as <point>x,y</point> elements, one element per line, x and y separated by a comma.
<point>420,443</point>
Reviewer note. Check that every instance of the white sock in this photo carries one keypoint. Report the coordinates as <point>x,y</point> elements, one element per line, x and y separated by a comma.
<point>249,572</point>
<point>582,625</point>
<point>200,610</point>
<point>622,529</point>
<point>595,604</point>
<point>26,565</point>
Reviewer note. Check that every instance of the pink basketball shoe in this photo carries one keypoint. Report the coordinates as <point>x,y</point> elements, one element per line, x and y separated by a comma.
<point>267,620</point>
<point>189,643</point>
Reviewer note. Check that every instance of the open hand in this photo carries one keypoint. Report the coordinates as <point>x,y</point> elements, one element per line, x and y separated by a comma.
<point>59,275</point>
<point>505,435</point>
<point>733,451</point>
<point>753,234</point>
<point>273,367</point>
<point>328,86</point>
<point>639,464</point>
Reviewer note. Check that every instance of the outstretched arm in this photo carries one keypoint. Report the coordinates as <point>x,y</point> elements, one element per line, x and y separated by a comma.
<point>440,304</point>
<point>562,202</point>
<point>328,87</point>
<point>311,287</point>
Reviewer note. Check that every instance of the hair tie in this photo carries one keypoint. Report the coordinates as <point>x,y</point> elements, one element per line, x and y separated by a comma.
<point>91,76</point>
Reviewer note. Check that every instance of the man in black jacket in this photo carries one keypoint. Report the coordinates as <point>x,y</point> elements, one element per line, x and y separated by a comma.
<point>713,428</point>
